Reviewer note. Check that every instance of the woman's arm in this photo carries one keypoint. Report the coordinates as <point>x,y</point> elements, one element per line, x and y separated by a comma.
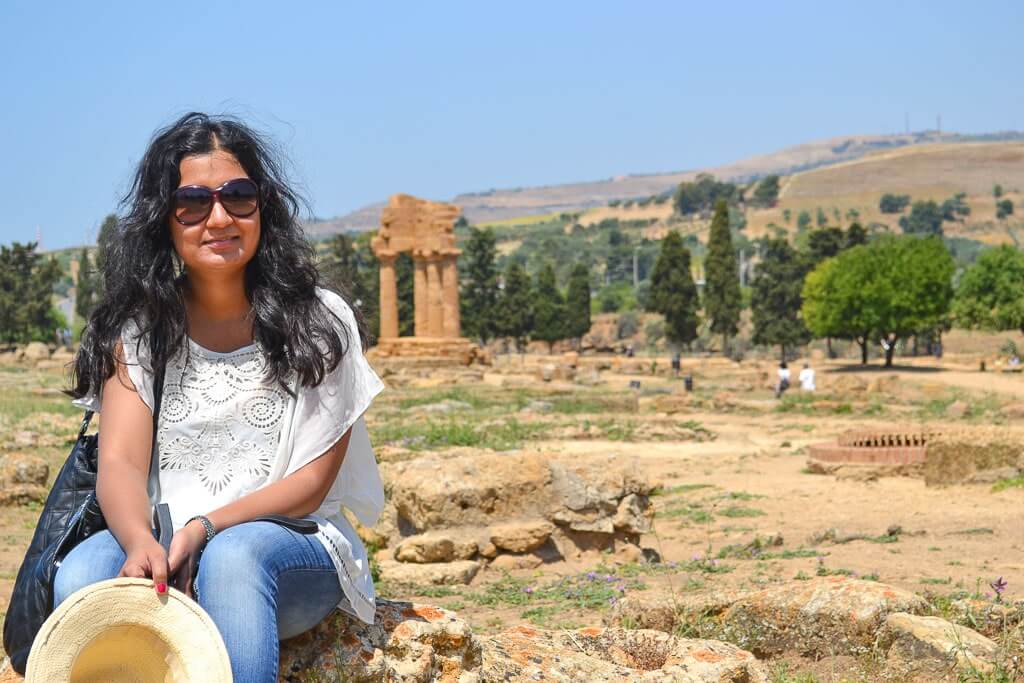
<point>125,449</point>
<point>297,495</point>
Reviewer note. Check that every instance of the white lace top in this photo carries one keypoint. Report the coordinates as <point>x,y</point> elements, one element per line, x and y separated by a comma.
<point>225,430</point>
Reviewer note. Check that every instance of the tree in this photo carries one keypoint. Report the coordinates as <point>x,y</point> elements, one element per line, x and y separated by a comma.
<point>26,294</point>
<point>479,298</point>
<point>767,192</point>
<point>577,302</point>
<point>673,292</point>
<point>821,219</point>
<point>855,235</point>
<point>825,243</point>
<point>925,219</point>
<point>345,267</point>
<point>775,300</point>
<point>890,289</point>
<point>548,308</point>
<point>104,240</point>
<point>991,293</point>
<point>893,203</point>
<point>701,194</point>
<point>803,221</point>
<point>722,298</point>
<point>516,306</point>
<point>86,287</point>
<point>1004,208</point>
<point>997,190</point>
<point>955,207</point>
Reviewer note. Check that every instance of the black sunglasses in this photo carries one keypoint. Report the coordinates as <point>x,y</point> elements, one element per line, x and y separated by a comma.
<point>192,204</point>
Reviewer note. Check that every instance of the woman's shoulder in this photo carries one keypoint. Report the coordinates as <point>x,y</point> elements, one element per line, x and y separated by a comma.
<point>337,305</point>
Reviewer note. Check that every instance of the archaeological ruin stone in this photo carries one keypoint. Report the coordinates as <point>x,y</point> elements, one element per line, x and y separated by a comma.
<point>823,616</point>
<point>425,230</point>
<point>529,506</point>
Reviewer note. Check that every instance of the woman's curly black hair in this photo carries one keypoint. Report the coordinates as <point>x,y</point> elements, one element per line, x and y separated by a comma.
<point>141,268</point>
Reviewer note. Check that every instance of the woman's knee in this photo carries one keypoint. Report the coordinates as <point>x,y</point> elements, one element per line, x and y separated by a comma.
<point>234,560</point>
<point>95,559</point>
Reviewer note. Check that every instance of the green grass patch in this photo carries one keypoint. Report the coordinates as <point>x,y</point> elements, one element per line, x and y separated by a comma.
<point>431,434</point>
<point>681,488</point>
<point>1014,483</point>
<point>737,511</point>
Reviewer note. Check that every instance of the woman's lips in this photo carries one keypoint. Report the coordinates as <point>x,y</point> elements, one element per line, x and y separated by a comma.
<point>222,243</point>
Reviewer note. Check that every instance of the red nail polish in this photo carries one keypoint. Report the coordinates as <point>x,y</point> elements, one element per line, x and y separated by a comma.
<point>161,588</point>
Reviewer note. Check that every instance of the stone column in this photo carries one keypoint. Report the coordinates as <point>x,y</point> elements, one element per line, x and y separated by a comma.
<point>420,299</point>
<point>435,306</point>
<point>388,297</point>
<point>450,281</point>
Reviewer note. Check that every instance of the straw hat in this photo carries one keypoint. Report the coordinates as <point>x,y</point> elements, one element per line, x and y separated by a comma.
<point>121,631</point>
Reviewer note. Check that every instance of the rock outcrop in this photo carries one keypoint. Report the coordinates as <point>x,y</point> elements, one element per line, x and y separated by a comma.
<point>529,507</point>
<point>824,616</point>
<point>596,655</point>
<point>415,643</point>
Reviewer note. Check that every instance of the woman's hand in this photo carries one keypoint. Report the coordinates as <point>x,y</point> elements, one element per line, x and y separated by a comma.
<point>183,557</point>
<point>147,559</point>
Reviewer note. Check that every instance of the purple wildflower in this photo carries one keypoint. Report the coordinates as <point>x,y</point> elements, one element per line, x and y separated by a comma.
<point>591,576</point>
<point>999,585</point>
<point>612,601</point>
<point>528,589</point>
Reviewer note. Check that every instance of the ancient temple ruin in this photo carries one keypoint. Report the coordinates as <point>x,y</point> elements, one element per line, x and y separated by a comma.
<point>425,229</point>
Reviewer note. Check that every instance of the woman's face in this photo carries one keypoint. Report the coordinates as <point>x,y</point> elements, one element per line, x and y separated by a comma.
<point>222,243</point>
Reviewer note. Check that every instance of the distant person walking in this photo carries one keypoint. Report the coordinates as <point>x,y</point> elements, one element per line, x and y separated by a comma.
<point>783,380</point>
<point>676,363</point>
<point>806,378</point>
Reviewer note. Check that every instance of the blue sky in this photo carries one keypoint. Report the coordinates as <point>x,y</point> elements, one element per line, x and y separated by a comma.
<point>368,99</point>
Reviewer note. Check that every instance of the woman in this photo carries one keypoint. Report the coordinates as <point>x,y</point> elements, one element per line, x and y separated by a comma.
<point>211,279</point>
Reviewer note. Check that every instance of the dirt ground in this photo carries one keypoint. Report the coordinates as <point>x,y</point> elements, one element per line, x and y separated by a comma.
<point>747,485</point>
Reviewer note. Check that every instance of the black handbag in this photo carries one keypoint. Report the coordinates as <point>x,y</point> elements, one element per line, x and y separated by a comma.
<point>71,514</point>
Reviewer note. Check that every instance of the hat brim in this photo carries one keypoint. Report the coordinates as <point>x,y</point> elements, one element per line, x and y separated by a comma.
<point>120,630</point>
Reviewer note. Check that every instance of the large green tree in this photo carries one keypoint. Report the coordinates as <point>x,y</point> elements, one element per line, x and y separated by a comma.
<point>888,290</point>
<point>673,292</point>
<point>548,308</point>
<point>990,295</point>
<point>722,298</point>
<point>27,278</point>
<point>479,297</point>
<point>775,300</point>
<point>825,243</point>
<point>516,306</point>
<point>577,302</point>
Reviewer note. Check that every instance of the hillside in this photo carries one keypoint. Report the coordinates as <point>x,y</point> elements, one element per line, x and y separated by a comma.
<point>496,205</point>
<point>853,188</point>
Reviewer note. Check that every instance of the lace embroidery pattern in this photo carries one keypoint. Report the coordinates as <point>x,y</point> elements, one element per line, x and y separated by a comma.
<point>220,418</point>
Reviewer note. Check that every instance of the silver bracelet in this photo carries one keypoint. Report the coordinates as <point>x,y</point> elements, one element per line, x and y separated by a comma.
<point>207,525</point>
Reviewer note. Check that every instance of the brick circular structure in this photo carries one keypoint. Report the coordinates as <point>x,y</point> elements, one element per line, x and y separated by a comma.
<point>873,448</point>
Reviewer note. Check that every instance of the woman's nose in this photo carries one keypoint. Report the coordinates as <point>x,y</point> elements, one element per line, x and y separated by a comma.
<point>219,218</point>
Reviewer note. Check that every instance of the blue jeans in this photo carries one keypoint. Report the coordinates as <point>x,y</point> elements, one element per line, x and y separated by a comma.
<point>258,581</point>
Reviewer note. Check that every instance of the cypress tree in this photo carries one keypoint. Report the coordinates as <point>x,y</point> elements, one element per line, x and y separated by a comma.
<point>673,292</point>
<point>516,306</point>
<point>578,302</point>
<point>722,299</point>
<point>549,322</point>
<point>776,298</point>
<point>86,287</point>
<point>479,299</point>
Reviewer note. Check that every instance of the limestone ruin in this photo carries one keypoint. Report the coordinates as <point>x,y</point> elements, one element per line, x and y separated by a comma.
<point>424,229</point>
